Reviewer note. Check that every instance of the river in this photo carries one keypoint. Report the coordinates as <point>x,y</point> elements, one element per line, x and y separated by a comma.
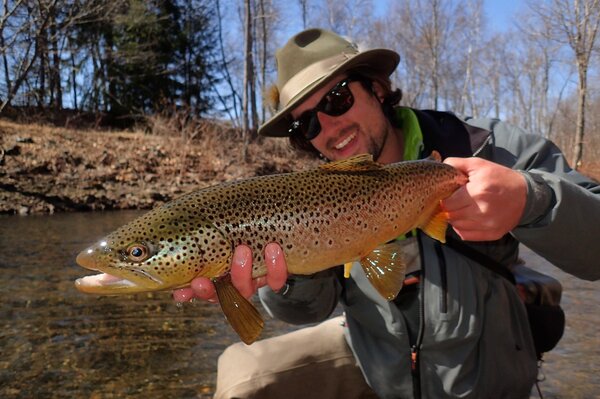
<point>56,342</point>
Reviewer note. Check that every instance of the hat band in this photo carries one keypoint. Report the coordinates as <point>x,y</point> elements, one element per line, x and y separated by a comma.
<point>297,83</point>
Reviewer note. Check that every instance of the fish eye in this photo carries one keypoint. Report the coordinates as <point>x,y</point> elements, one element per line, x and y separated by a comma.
<point>137,252</point>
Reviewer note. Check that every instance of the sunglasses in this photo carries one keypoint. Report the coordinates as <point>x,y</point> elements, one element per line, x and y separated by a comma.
<point>336,102</point>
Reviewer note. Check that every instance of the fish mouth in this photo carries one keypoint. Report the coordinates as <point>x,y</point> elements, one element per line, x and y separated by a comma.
<point>109,284</point>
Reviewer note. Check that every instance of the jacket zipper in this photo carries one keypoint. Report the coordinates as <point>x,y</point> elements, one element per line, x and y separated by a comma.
<point>482,146</point>
<point>416,347</point>
<point>443,276</point>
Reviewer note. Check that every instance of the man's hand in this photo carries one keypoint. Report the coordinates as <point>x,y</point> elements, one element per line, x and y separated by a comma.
<point>241,275</point>
<point>490,204</point>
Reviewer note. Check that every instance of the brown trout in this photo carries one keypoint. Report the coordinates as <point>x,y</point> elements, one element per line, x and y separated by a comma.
<point>341,212</point>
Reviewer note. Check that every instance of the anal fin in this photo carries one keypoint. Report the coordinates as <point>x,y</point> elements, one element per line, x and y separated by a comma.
<point>385,269</point>
<point>240,313</point>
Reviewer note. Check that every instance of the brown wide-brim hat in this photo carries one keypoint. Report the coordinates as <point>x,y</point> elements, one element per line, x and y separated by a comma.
<point>307,62</point>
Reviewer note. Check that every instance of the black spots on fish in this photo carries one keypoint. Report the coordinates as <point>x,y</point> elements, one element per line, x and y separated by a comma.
<point>361,224</point>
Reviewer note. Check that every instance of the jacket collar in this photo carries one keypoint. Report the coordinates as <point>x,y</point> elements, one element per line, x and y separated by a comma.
<point>449,135</point>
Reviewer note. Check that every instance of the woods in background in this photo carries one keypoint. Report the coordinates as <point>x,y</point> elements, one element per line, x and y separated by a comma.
<point>214,58</point>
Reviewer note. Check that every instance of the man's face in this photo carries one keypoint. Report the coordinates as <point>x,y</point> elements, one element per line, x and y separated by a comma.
<point>362,129</point>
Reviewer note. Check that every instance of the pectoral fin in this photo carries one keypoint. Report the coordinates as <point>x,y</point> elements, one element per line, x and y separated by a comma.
<point>385,269</point>
<point>240,313</point>
<point>437,225</point>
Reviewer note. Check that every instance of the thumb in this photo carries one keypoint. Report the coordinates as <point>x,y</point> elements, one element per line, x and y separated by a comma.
<point>458,163</point>
<point>465,165</point>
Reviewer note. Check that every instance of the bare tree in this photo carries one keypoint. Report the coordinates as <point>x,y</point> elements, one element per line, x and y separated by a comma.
<point>430,33</point>
<point>473,35</point>
<point>574,23</point>
<point>352,18</point>
<point>304,11</point>
<point>231,109</point>
<point>248,94</point>
<point>32,38</point>
<point>28,38</point>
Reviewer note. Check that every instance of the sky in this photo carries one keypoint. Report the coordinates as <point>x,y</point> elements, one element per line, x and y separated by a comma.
<point>499,13</point>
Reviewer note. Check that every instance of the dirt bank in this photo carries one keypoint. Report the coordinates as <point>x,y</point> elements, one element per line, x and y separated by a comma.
<point>47,169</point>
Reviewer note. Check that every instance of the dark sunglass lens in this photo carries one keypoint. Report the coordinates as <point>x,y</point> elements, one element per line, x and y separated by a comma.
<point>339,101</point>
<point>310,125</point>
<point>335,103</point>
<point>294,128</point>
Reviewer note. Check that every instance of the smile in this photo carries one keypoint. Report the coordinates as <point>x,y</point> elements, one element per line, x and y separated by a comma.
<point>344,143</point>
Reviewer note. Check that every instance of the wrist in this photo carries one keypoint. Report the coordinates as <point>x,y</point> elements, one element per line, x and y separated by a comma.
<point>539,199</point>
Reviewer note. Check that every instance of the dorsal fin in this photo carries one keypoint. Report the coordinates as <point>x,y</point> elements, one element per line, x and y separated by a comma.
<point>434,156</point>
<point>357,163</point>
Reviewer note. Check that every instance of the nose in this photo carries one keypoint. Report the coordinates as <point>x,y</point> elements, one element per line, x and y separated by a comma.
<point>328,123</point>
<point>86,259</point>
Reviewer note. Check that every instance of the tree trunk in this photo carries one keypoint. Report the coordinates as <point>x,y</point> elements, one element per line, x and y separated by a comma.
<point>580,127</point>
<point>263,56</point>
<point>248,77</point>
<point>74,79</point>
<point>235,117</point>
<point>42,51</point>
<point>56,86</point>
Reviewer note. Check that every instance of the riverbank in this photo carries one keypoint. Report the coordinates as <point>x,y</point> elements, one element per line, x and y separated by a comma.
<point>45,169</point>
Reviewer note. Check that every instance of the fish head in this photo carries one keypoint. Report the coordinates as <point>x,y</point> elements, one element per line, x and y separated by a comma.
<point>158,251</point>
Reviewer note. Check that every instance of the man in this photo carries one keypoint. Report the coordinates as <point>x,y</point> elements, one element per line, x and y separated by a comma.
<point>456,329</point>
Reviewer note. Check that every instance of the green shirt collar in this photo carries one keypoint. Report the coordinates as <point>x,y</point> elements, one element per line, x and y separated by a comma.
<point>413,138</point>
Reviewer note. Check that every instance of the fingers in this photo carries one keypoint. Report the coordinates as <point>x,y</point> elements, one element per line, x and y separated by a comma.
<point>200,287</point>
<point>241,275</point>
<point>276,266</point>
<point>204,289</point>
<point>459,200</point>
<point>183,295</point>
<point>241,271</point>
<point>465,165</point>
<point>490,204</point>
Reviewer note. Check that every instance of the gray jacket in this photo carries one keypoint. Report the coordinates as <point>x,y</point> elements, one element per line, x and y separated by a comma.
<point>465,325</point>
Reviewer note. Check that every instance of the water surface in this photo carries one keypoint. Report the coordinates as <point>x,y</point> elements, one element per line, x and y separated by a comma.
<point>56,342</point>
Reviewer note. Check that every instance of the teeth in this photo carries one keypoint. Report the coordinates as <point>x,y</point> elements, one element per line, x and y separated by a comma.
<point>345,142</point>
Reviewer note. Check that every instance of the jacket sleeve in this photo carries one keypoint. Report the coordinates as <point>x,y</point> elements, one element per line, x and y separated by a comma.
<point>304,299</point>
<point>561,221</point>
